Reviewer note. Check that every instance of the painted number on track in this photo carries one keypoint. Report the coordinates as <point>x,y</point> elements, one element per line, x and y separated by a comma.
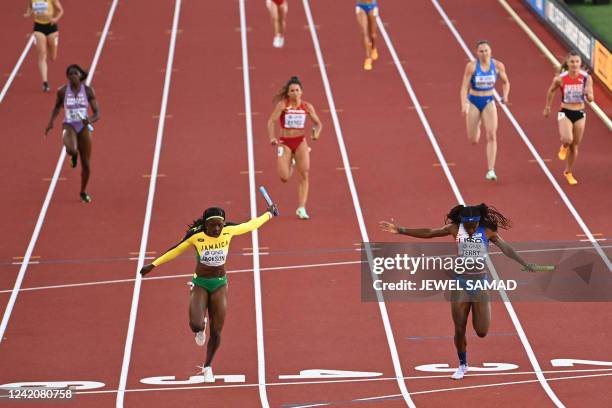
<point>444,368</point>
<point>194,379</point>
<point>328,374</point>
<point>570,362</point>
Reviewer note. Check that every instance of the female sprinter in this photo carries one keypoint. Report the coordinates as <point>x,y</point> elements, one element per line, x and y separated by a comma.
<point>210,236</point>
<point>478,100</point>
<point>46,14</point>
<point>474,224</point>
<point>278,14</point>
<point>291,112</point>
<point>76,97</point>
<point>576,86</point>
<point>367,11</point>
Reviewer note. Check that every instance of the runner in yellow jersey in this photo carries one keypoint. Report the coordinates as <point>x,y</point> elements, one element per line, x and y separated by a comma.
<point>211,237</point>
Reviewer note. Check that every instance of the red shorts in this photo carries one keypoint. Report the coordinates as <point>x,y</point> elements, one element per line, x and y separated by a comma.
<point>278,2</point>
<point>292,142</point>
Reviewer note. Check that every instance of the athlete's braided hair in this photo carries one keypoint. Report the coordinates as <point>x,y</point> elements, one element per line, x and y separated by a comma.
<point>282,93</point>
<point>489,216</point>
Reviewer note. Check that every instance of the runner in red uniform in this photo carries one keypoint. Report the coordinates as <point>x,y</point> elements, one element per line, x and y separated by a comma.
<point>576,87</point>
<point>278,14</point>
<point>291,112</point>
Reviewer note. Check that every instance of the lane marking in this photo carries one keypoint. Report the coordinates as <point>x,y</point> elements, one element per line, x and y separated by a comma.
<point>459,198</point>
<point>531,148</point>
<point>356,204</point>
<point>15,70</point>
<point>51,190</point>
<point>149,209</point>
<point>261,359</point>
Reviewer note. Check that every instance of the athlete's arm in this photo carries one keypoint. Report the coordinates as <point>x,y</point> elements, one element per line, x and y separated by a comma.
<point>551,93</point>
<point>28,12</point>
<point>501,69</point>
<point>250,225</point>
<point>316,130</point>
<point>418,232</point>
<point>465,85</point>
<point>60,12</point>
<point>91,97</point>
<point>278,109</point>
<point>59,102</point>
<point>168,256</point>
<point>588,90</point>
<point>505,247</point>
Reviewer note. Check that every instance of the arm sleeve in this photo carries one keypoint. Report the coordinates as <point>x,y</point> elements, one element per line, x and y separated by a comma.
<point>251,225</point>
<point>172,253</point>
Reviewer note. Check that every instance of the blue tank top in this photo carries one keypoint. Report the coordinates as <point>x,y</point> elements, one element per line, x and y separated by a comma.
<point>484,81</point>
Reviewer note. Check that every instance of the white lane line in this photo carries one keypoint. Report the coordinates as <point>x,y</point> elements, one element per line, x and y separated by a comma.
<point>51,190</point>
<point>149,209</point>
<point>357,206</point>
<point>517,324</point>
<point>530,146</point>
<point>603,372</point>
<point>13,74</point>
<point>246,79</point>
<point>108,282</point>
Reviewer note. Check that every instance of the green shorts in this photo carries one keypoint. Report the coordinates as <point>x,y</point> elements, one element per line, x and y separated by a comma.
<point>210,284</point>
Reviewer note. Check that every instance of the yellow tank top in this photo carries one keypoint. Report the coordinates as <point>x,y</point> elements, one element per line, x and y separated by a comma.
<point>42,10</point>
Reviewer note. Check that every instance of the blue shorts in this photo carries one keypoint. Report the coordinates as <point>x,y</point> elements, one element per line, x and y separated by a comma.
<point>367,7</point>
<point>462,281</point>
<point>480,101</point>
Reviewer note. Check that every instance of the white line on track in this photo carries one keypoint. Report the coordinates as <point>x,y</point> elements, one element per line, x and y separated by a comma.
<point>11,77</point>
<point>356,204</point>
<point>458,196</point>
<point>602,372</point>
<point>261,359</point>
<point>530,146</point>
<point>51,190</point>
<point>149,209</point>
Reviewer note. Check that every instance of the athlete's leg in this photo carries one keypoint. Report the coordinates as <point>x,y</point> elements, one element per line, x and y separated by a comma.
<point>217,307</point>
<point>52,45</point>
<point>283,162</point>
<point>577,133</point>
<point>472,122</point>
<point>41,51</point>
<point>70,140</point>
<point>460,309</point>
<point>84,145</point>
<point>372,32</point>
<point>481,314</point>
<point>362,20</point>
<point>198,302</point>
<point>282,18</point>
<point>489,120</point>
<point>302,163</point>
<point>274,17</point>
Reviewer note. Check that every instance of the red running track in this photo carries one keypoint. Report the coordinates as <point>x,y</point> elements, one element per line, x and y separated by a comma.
<point>313,316</point>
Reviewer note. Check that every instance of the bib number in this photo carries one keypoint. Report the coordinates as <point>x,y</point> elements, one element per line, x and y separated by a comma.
<point>561,115</point>
<point>295,120</point>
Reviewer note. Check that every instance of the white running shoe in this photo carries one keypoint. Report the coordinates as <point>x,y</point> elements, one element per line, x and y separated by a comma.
<point>281,42</point>
<point>208,375</point>
<point>276,42</point>
<point>200,337</point>
<point>302,214</point>
<point>461,371</point>
<point>491,175</point>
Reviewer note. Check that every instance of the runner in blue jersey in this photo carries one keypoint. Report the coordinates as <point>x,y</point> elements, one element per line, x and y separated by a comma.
<point>477,100</point>
<point>473,228</point>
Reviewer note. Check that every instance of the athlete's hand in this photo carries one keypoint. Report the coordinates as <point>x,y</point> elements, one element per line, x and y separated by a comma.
<point>146,269</point>
<point>529,267</point>
<point>464,108</point>
<point>274,141</point>
<point>273,209</point>
<point>315,134</point>
<point>546,111</point>
<point>389,227</point>
<point>28,13</point>
<point>503,101</point>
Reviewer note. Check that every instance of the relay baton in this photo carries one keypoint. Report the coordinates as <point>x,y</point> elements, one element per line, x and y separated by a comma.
<point>540,268</point>
<point>266,196</point>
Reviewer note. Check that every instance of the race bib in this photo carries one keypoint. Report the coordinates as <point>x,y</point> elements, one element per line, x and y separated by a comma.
<point>485,81</point>
<point>76,115</point>
<point>295,120</point>
<point>40,7</point>
<point>560,115</point>
<point>213,257</point>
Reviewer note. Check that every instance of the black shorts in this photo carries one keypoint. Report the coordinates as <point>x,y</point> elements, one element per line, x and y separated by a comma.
<point>573,115</point>
<point>46,29</point>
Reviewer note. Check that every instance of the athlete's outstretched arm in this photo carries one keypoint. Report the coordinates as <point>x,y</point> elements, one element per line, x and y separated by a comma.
<point>507,249</point>
<point>168,256</point>
<point>417,232</point>
<point>252,224</point>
